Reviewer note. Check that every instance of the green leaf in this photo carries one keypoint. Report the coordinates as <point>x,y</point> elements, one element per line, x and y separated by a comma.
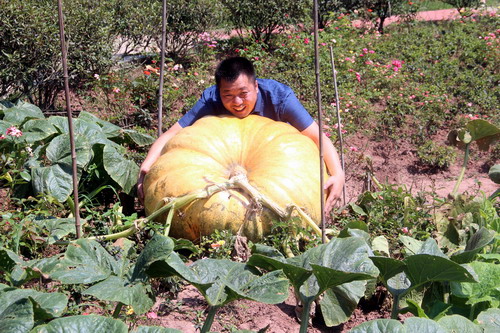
<point>380,245</point>
<point>223,281</point>
<point>475,244</point>
<point>157,249</point>
<point>338,303</point>
<point>22,271</point>
<point>35,130</point>
<point>388,267</point>
<point>423,325</point>
<point>21,112</point>
<point>59,150</point>
<point>46,305</point>
<point>17,317</point>
<point>139,139</point>
<point>117,289</point>
<point>423,268</point>
<point>109,129</point>
<point>487,289</point>
<point>483,132</point>
<point>357,209</point>
<point>411,245</point>
<point>416,309</point>
<point>83,324</point>
<point>489,320</point>
<point>123,171</point>
<point>457,323</point>
<point>494,173</point>
<point>399,284</point>
<point>57,229</point>
<point>85,261</point>
<point>379,326</point>
<point>55,180</point>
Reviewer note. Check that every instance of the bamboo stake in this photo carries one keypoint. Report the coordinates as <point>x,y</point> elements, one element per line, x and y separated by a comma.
<point>70,119</point>
<point>339,124</point>
<point>320,121</point>
<point>162,66</point>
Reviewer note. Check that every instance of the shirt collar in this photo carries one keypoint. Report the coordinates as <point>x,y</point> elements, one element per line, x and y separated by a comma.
<point>259,104</point>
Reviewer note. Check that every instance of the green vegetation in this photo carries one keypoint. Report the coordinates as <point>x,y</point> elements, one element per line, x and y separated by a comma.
<point>437,257</point>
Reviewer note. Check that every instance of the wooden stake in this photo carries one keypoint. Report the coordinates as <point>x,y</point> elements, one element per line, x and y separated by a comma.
<point>70,119</point>
<point>162,67</point>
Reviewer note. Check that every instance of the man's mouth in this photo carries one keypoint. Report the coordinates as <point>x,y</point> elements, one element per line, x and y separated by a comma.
<point>239,109</point>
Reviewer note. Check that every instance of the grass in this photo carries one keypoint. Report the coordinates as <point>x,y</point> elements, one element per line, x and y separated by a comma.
<point>437,5</point>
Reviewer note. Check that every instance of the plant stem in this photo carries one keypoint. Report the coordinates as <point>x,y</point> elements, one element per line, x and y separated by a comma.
<point>304,316</point>
<point>210,319</point>
<point>395,307</point>
<point>462,172</point>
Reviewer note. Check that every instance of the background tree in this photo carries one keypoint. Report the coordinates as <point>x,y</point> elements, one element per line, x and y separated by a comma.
<point>264,17</point>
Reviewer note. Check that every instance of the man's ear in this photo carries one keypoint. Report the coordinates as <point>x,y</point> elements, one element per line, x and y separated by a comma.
<point>257,86</point>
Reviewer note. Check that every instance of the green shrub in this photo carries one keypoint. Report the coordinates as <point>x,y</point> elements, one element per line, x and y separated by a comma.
<point>265,17</point>
<point>30,61</point>
<point>436,156</point>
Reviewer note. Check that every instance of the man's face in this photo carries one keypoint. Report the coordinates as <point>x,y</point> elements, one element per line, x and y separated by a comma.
<point>239,97</point>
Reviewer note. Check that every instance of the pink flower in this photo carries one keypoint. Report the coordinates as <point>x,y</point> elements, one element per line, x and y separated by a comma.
<point>2,136</point>
<point>152,315</point>
<point>365,50</point>
<point>14,131</point>
<point>397,63</point>
<point>97,77</point>
<point>353,148</point>
<point>358,77</point>
<point>256,58</point>
<point>196,74</point>
<point>116,90</point>
<point>306,40</point>
<point>405,230</point>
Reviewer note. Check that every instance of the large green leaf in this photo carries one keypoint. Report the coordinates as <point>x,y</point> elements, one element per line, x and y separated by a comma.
<point>17,317</point>
<point>109,129</point>
<point>489,320</point>
<point>35,130</point>
<point>21,270</point>
<point>55,180</point>
<point>423,325</point>
<point>339,302</point>
<point>57,229</point>
<point>117,289</point>
<point>59,150</point>
<point>423,268</point>
<point>85,261</point>
<point>380,326</point>
<point>123,171</point>
<point>157,249</point>
<point>139,139</point>
<point>83,324</point>
<point>457,323</point>
<point>46,305</point>
<point>487,289</point>
<point>223,281</point>
<point>21,112</point>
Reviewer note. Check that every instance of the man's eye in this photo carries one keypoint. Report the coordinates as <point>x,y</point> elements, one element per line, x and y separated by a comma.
<point>243,94</point>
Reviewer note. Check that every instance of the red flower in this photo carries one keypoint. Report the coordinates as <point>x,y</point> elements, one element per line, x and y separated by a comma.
<point>147,72</point>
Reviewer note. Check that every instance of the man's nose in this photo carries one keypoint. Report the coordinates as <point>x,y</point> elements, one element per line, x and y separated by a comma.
<point>237,100</point>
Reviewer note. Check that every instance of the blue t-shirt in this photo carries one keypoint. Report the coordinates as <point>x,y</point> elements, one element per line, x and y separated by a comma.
<point>275,100</point>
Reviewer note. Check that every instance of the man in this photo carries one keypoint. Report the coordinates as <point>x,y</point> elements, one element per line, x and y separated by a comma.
<point>238,92</point>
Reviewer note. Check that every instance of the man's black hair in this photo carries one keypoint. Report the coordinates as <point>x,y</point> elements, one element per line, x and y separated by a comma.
<point>231,68</point>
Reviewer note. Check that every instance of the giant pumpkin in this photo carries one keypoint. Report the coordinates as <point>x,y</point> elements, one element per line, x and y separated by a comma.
<point>277,160</point>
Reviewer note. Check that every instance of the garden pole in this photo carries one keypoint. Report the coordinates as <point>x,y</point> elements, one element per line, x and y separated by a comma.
<point>339,124</point>
<point>70,119</point>
<point>162,66</point>
<point>320,121</point>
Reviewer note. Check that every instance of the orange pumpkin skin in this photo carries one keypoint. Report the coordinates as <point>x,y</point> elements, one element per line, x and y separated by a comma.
<point>279,161</point>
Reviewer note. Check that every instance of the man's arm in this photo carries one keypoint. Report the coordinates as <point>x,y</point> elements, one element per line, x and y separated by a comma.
<point>335,183</point>
<point>153,154</point>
